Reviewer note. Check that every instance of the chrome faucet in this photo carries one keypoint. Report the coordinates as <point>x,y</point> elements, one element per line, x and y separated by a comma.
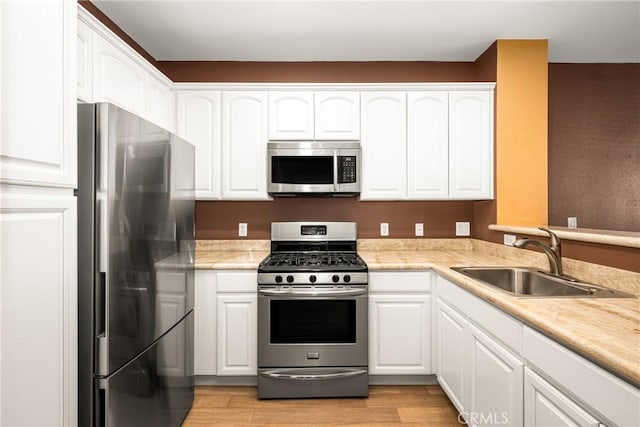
<point>553,250</point>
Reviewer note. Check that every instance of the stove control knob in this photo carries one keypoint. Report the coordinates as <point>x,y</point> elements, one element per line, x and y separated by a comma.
<point>335,278</point>
<point>313,278</point>
<point>278,279</point>
<point>290,279</point>
<point>347,278</point>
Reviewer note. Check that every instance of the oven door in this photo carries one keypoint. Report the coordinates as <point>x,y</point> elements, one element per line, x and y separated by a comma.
<point>312,327</point>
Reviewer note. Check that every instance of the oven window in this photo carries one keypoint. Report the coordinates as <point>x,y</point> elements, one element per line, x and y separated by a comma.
<point>302,169</point>
<point>313,321</point>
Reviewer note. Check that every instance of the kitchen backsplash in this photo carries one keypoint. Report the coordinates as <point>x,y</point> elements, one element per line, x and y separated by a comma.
<point>219,220</point>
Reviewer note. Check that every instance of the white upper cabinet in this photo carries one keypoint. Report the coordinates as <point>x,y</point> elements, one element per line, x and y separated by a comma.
<point>200,123</point>
<point>428,145</point>
<point>84,45</point>
<point>384,145</point>
<point>471,144</point>
<point>117,78</point>
<point>299,115</point>
<point>38,93</point>
<point>291,115</point>
<point>160,108</point>
<point>244,145</point>
<point>337,115</point>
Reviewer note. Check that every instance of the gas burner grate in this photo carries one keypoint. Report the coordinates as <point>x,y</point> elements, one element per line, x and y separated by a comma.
<point>321,259</point>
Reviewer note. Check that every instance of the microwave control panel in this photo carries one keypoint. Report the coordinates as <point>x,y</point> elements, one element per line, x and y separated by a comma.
<point>347,169</point>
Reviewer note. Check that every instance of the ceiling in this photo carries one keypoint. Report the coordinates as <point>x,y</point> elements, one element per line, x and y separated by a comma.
<point>378,30</point>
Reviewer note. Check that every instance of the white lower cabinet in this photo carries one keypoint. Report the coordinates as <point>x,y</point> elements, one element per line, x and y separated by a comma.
<point>205,331</point>
<point>399,323</point>
<point>450,339</point>
<point>546,406</point>
<point>493,368</point>
<point>237,311</point>
<point>481,376</point>
<point>494,378</point>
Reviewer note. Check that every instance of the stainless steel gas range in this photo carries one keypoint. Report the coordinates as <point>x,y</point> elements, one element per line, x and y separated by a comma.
<point>312,313</point>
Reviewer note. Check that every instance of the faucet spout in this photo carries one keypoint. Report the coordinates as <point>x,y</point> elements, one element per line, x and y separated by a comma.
<point>553,250</point>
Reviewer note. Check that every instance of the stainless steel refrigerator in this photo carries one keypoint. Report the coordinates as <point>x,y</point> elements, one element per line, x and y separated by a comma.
<point>135,270</point>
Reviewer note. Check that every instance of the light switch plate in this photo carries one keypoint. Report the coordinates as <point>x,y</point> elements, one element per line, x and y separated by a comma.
<point>242,229</point>
<point>509,239</point>
<point>463,229</point>
<point>384,228</point>
<point>572,222</point>
<point>419,229</point>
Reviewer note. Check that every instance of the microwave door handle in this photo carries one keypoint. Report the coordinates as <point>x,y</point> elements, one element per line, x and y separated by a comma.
<point>335,172</point>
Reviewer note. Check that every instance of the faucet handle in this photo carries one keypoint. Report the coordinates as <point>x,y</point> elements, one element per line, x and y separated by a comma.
<point>555,240</point>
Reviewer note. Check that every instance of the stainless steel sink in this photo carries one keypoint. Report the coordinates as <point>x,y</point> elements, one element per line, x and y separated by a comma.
<point>533,283</point>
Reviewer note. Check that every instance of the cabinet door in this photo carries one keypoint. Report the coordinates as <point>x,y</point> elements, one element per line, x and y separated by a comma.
<point>495,378</point>
<point>291,115</point>
<point>337,115</point>
<point>546,406</point>
<point>170,305</point>
<point>384,145</point>
<point>244,145</point>
<point>38,94</point>
<point>428,145</point>
<point>400,334</point>
<point>160,104</point>
<point>200,123</point>
<point>117,78</point>
<point>471,145</point>
<point>38,309</point>
<point>205,333</point>
<point>84,45</point>
<point>237,334</point>
<point>450,347</point>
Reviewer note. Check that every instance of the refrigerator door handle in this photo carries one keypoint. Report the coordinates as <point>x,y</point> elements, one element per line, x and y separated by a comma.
<point>102,357</point>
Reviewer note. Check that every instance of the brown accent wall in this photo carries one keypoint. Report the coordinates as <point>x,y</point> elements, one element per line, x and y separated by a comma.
<point>485,212</point>
<point>318,72</point>
<point>594,145</point>
<point>219,219</point>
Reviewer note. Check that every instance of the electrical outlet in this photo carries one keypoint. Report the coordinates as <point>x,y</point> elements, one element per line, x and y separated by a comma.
<point>509,239</point>
<point>572,222</point>
<point>463,229</point>
<point>242,229</point>
<point>384,228</point>
<point>419,229</point>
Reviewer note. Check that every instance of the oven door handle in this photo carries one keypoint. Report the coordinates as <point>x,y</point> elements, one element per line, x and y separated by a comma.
<point>339,293</point>
<point>312,377</point>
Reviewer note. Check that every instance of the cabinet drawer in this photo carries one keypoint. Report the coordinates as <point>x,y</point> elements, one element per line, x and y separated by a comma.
<point>454,295</point>
<point>400,281</point>
<point>237,281</point>
<point>612,397</point>
<point>499,324</point>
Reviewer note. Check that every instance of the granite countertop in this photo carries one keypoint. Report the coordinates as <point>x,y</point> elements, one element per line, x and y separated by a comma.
<point>604,330</point>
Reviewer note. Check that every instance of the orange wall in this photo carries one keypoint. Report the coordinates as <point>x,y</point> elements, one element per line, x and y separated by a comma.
<point>521,132</point>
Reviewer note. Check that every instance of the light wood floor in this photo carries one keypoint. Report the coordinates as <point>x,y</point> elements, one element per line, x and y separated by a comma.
<point>386,406</point>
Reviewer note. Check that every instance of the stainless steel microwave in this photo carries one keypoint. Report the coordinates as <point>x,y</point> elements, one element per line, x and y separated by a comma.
<point>314,168</point>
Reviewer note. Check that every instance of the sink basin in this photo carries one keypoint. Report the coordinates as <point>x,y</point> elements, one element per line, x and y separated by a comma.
<point>530,282</point>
